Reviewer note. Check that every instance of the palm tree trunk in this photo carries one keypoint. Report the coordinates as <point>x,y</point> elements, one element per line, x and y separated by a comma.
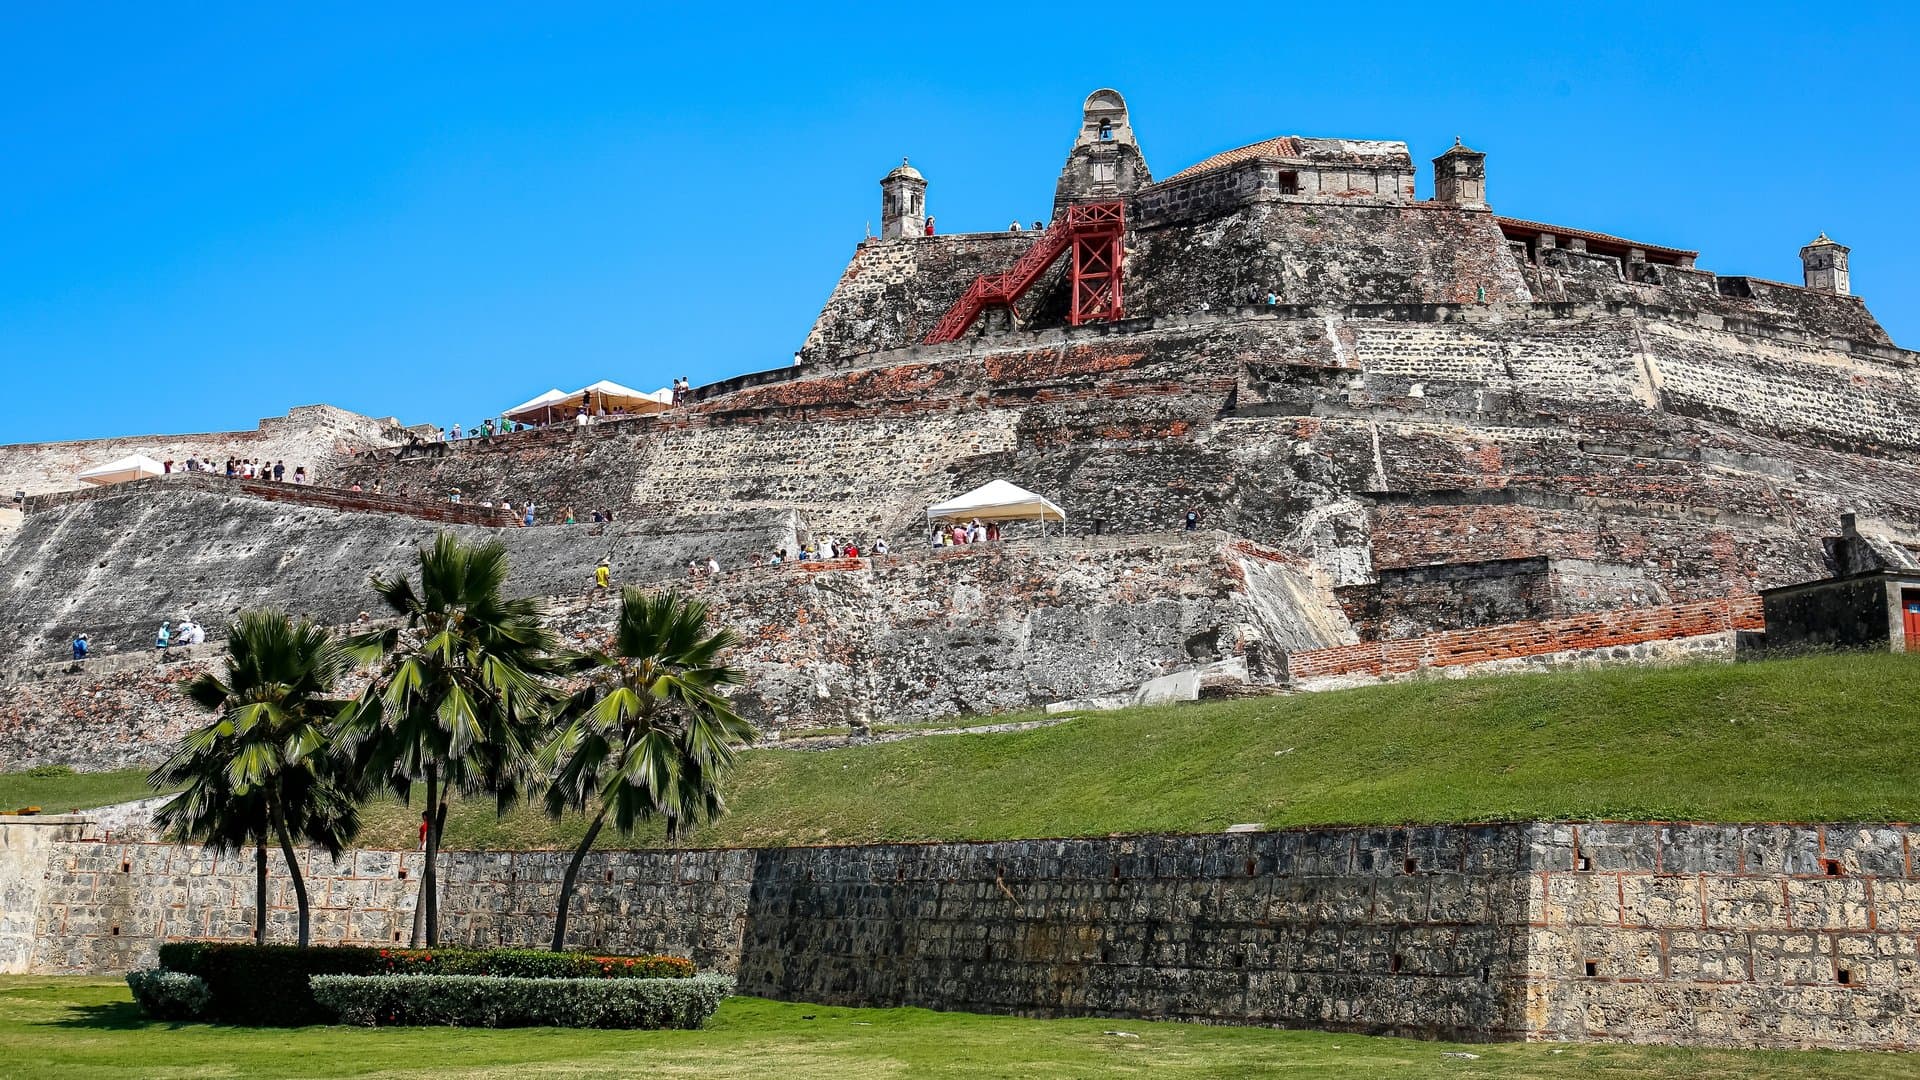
<point>573,871</point>
<point>293,866</point>
<point>260,891</point>
<point>429,879</point>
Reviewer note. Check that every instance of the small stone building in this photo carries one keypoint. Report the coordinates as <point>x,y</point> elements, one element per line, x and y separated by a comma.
<point>1871,600</point>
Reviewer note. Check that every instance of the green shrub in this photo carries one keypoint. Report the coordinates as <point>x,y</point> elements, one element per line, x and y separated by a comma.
<point>48,772</point>
<point>494,1001</point>
<point>169,995</point>
<point>268,984</point>
<point>532,964</point>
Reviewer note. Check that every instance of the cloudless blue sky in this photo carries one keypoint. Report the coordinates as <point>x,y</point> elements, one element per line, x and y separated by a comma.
<point>436,212</point>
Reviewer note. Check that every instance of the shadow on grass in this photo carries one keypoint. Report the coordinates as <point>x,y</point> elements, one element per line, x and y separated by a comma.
<point>111,1016</point>
<point>119,1016</point>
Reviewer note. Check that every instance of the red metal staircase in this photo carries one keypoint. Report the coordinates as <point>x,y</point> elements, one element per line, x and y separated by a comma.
<point>1095,232</point>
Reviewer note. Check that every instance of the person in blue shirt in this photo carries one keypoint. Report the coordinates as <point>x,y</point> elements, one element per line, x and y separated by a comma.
<point>164,638</point>
<point>79,646</point>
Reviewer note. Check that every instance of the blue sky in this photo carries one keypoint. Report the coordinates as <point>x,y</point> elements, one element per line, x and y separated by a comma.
<point>211,215</point>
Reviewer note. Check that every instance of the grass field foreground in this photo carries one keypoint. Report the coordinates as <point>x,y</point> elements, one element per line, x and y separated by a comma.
<point>78,1028</point>
<point>1809,739</point>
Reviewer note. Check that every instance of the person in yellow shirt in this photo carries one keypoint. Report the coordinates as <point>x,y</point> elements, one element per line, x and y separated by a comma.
<point>602,575</point>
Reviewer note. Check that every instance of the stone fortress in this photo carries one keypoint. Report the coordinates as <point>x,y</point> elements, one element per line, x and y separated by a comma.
<point>1419,435</point>
<point>1422,437</point>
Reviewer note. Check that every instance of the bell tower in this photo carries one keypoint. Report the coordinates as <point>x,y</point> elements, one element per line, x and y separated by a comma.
<point>1105,162</point>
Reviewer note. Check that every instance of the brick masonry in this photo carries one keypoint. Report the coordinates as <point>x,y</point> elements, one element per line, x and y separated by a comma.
<point>1701,934</point>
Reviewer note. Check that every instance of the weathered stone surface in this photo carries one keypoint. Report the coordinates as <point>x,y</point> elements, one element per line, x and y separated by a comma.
<point>1481,932</point>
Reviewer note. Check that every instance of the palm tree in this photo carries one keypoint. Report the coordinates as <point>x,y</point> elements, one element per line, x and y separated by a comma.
<point>262,767</point>
<point>460,695</point>
<point>651,735</point>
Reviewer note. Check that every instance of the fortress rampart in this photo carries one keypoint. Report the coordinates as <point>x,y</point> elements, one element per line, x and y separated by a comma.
<point>1729,935</point>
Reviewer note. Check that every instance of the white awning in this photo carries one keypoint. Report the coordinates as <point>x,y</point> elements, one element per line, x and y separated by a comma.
<point>537,408</point>
<point>131,467</point>
<point>605,394</point>
<point>998,500</point>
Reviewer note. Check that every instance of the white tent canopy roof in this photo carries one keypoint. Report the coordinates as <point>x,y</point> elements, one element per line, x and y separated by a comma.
<point>538,404</point>
<point>607,394</point>
<point>997,500</point>
<point>131,467</point>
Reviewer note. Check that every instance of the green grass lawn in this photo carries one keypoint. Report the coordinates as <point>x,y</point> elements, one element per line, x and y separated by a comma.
<point>72,1028</point>
<point>1818,738</point>
<point>56,793</point>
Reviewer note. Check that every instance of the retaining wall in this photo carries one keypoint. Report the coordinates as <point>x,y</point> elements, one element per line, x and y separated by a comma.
<point>1706,934</point>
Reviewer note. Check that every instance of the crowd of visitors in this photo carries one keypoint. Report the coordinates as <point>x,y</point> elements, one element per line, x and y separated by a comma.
<point>954,534</point>
<point>241,469</point>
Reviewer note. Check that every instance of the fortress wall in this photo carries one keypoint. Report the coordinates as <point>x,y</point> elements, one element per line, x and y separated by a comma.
<point>108,906</point>
<point>1684,559</point>
<point>1695,629</point>
<point>1691,934</point>
<point>1775,388</point>
<point>912,637</point>
<point>1322,253</point>
<point>894,291</point>
<point>311,435</point>
<point>114,567</point>
<point>994,627</point>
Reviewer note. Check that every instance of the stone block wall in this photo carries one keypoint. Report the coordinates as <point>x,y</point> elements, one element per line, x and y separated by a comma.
<point>1747,935</point>
<point>108,906</point>
<point>1777,935</point>
<point>1408,931</point>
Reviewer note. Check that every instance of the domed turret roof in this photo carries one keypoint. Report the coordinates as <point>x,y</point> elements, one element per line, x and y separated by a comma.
<point>904,171</point>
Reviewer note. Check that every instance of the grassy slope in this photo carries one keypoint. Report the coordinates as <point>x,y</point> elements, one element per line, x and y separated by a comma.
<point>73,1028</point>
<point>1821,738</point>
<point>74,791</point>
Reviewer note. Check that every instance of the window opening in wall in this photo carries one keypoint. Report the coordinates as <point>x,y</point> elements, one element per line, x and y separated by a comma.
<point>1106,131</point>
<point>1845,977</point>
<point>116,933</point>
<point>1582,863</point>
<point>1830,867</point>
<point>403,873</point>
<point>1593,969</point>
<point>1249,867</point>
<point>1413,866</point>
<point>1393,965</point>
<point>1289,183</point>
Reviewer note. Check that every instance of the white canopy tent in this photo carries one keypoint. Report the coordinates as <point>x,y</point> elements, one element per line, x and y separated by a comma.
<point>997,500</point>
<point>539,408</point>
<point>605,396</point>
<point>131,467</point>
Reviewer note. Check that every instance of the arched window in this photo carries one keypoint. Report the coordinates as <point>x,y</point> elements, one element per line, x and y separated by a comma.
<point>1106,131</point>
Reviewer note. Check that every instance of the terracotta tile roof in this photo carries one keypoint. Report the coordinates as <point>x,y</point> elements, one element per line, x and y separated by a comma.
<point>1525,230</point>
<point>1285,146</point>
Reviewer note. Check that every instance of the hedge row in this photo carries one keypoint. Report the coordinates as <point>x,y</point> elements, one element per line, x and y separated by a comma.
<point>268,984</point>
<point>479,1001</point>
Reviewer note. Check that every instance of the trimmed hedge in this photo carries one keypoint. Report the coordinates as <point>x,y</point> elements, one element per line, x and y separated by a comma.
<point>268,984</point>
<point>494,1001</point>
<point>169,995</point>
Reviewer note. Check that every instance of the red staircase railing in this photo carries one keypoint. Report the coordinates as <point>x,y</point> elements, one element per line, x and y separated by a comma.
<point>1095,231</point>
